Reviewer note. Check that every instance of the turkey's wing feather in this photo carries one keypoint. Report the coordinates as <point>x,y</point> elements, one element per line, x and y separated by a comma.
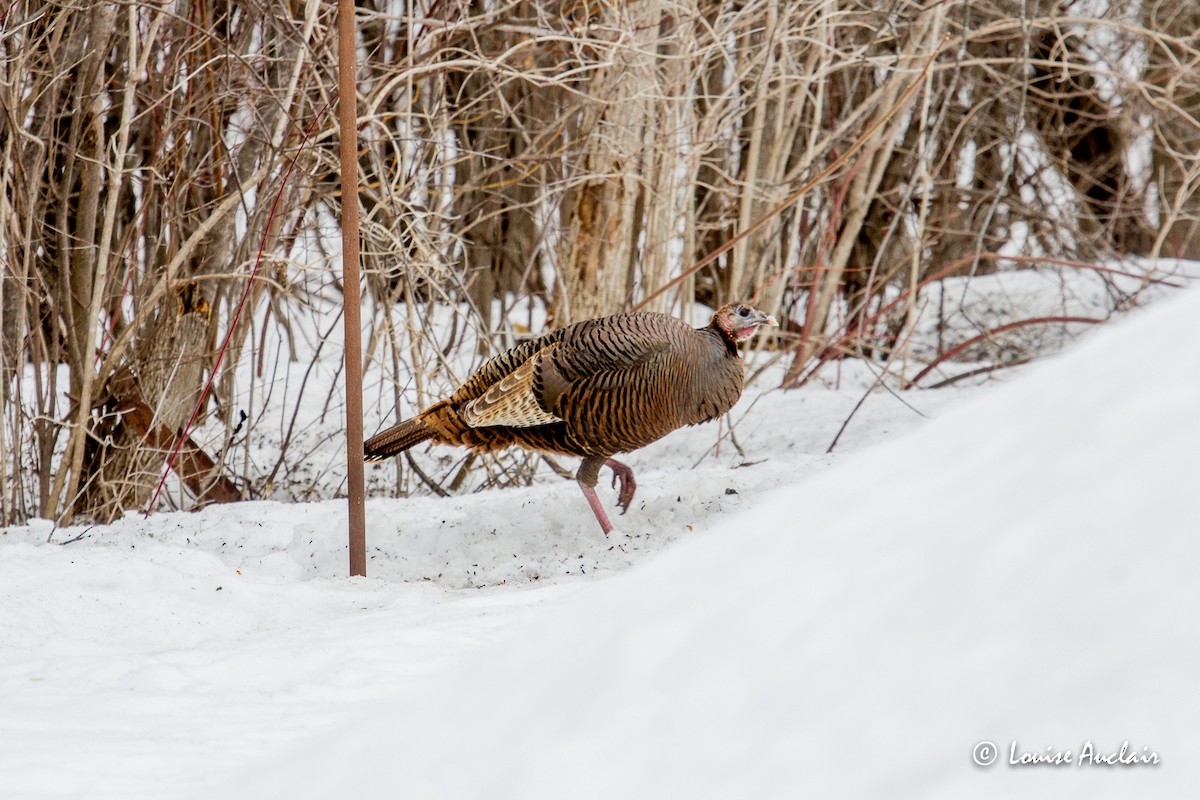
<point>500,366</point>
<point>527,385</point>
<point>512,400</point>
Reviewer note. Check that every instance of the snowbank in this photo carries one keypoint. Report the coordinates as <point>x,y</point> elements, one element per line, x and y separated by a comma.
<point>149,657</point>
<point>1021,570</point>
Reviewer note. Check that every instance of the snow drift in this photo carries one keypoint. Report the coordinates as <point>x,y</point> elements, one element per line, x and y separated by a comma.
<point>1028,581</point>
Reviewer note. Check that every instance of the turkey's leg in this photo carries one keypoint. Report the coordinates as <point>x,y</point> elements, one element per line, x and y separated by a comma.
<point>589,475</point>
<point>590,493</point>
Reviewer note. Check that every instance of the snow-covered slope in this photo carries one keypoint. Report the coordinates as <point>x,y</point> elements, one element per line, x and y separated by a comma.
<point>145,658</point>
<point>1020,570</point>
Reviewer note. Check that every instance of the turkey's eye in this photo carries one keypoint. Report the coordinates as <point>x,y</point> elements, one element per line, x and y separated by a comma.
<point>743,312</point>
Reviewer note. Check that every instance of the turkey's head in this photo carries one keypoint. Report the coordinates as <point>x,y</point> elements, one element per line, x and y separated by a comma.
<point>740,321</point>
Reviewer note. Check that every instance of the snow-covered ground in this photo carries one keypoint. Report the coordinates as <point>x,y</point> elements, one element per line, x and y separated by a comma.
<point>781,623</point>
<point>142,658</point>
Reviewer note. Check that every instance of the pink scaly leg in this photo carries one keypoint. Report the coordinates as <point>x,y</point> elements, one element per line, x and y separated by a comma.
<point>590,493</point>
<point>589,475</point>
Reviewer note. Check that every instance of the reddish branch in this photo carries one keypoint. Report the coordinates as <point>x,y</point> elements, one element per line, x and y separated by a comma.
<point>183,438</point>
<point>794,380</point>
<point>988,334</point>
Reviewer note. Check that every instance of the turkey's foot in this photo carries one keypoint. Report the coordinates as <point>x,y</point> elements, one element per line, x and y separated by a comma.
<point>623,473</point>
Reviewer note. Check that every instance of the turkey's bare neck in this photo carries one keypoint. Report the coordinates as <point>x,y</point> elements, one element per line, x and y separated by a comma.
<point>722,336</point>
<point>716,377</point>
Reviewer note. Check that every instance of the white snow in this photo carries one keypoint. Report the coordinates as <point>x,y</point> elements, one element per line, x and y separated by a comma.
<point>1020,568</point>
<point>153,656</point>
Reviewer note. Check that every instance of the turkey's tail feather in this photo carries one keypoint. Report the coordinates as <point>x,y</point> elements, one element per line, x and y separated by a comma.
<point>397,439</point>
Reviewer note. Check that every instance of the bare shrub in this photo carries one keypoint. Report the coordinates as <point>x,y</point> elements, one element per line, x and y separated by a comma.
<point>526,164</point>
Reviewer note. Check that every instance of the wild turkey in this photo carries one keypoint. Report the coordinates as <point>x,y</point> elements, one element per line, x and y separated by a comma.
<point>592,389</point>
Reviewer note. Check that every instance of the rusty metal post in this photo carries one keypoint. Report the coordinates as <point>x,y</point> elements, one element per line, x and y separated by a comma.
<point>348,116</point>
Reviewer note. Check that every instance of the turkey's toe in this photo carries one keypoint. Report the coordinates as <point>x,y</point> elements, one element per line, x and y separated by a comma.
<point>623,474</point>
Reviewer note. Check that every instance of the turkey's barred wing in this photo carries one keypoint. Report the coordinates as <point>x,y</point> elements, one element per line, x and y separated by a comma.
<point>511,401</point>
<point>582,371</point>
<point>499,366</point>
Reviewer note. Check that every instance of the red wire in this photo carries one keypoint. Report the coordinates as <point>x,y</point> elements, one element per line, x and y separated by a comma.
<point>238,313</point>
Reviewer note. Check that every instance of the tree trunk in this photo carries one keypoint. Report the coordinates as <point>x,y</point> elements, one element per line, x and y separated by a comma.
<point>598,249</point>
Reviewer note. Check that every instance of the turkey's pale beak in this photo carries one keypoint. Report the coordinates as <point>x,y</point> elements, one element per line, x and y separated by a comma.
<point>764,319</point>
